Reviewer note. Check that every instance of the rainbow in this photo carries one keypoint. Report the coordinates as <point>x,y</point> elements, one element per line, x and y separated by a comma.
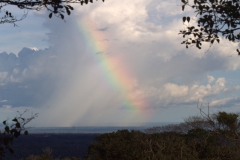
<point>116,72</point>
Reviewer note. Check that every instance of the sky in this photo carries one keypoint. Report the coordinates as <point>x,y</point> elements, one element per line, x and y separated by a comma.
<point>117,63</point>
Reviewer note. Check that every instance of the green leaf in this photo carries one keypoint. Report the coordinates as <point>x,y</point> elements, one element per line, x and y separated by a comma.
<point>70,7</point>
<point>238,52</point>
<point>68,11</point>
<point>15,120</point>
<point>183,6</point>
<point>7,129</point>
<point>62,16</point>
<point>25,132</point>
<point>18,125</point>
<point>184,19</point>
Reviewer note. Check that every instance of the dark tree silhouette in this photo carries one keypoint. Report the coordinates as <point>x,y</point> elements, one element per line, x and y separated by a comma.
<point>58,8</point>
<point>215,19</point>
<point>13,131</point>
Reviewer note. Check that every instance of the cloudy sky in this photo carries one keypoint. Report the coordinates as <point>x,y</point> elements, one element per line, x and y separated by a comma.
<point>113,63</point>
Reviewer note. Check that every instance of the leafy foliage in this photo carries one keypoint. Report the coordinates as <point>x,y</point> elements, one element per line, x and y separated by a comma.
<point>56,7</point>
<point>215,19</point>
<point>206,137</point>
<point>196,144</point>
<point>13,131</point>
<point>118,145</point>
<point>228,121</point>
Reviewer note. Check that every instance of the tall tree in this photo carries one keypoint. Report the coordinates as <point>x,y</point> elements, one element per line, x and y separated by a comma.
<point>215,19</point>
<point>58,8</point>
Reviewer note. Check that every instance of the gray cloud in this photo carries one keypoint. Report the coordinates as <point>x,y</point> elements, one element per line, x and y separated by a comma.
<point>27,81</point>
<point>72,85</point>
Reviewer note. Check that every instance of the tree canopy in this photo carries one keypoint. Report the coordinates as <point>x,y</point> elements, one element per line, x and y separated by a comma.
<point>209,136</point>
<point>58,8</point>
<point>215,19</point>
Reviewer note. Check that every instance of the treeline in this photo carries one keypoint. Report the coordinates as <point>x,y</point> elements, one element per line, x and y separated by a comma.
<point>205,137</point>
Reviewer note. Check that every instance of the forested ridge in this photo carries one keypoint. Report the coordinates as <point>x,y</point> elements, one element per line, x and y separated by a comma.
<point>214,136</point>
